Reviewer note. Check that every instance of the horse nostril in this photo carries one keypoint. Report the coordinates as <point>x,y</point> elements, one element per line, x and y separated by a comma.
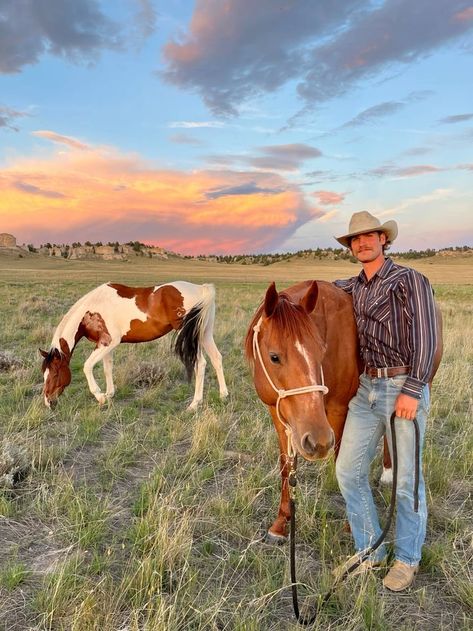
<point>308,444</point>
<point>52,404</point>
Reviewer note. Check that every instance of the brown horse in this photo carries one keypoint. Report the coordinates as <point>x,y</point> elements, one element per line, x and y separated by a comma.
<point>306,335</point>
<point>303,346</point>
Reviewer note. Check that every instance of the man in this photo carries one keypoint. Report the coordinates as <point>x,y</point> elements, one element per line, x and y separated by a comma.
<point>395,315</point>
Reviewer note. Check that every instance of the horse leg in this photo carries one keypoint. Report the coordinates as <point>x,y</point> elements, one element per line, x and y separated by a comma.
<point>216,359</point>
<point>200,364</point>
<point>97,355</point>
<point>387,475</point>
<point>278,531</point>
<point>108,371</point>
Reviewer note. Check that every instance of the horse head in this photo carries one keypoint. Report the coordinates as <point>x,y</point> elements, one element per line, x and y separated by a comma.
<point>286,351</point>
<point>56,372</point>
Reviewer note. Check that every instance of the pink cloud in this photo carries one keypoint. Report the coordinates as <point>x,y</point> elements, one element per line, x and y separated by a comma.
<point>327,198</point>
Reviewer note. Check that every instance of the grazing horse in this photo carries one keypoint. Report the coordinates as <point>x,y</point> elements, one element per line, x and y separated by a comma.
<point>112,314</point>
<point>302,345</point>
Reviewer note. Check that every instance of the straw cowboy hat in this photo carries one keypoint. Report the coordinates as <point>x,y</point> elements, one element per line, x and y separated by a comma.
<point>363,222</point>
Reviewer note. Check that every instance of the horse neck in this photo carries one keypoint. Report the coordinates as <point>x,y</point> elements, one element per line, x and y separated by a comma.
<point>68,329</point>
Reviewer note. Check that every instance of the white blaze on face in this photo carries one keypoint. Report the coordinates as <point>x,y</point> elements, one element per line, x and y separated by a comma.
<point>310,366</point>
<point>45,377</point>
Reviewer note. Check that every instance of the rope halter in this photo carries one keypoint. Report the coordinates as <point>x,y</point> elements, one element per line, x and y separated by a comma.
<point>282,394</point>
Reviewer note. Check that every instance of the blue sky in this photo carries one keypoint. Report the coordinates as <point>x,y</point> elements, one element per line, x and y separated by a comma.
<point>222,126</point>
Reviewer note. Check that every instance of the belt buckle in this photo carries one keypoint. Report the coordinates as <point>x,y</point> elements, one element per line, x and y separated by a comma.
<point>381,372</point>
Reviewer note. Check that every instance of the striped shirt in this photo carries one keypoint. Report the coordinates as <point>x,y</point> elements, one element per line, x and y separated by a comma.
<point>395,316</point>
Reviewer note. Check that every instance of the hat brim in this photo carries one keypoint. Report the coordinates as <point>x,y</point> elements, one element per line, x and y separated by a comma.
<point>389,228</point>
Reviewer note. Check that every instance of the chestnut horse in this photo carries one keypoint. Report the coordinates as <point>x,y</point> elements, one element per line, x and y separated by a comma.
<point>303,347</point>
<point>112,314</point>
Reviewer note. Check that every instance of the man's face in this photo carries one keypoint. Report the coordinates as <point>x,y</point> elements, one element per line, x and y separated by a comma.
<point>368,247</point>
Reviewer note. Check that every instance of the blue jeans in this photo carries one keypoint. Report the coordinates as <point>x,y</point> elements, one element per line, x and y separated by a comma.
<point>368,419</point>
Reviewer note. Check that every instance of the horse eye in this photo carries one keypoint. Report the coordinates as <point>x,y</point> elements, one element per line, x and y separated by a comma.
<point>274,358</point>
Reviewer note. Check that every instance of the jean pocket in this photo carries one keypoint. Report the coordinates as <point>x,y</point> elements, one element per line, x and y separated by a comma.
<point>398,381</point>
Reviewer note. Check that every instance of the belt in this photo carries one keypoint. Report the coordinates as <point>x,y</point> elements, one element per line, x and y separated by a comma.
<point>391,371</point>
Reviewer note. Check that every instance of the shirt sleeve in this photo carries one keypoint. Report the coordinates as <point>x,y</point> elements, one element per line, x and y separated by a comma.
<point>422,334</point>
<point>347,285</point>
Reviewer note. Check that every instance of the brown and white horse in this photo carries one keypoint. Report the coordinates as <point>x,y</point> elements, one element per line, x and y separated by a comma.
<point>302,344</point>
<point>112,314</point>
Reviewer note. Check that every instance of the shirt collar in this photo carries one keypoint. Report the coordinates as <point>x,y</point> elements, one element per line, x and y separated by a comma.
<point>383,271</point>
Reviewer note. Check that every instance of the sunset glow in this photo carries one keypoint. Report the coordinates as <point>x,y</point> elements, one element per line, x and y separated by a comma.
<point>204,128</point>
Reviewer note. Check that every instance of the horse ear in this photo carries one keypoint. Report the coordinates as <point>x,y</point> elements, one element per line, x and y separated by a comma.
<point>64,347</point>
<point>43,353</point>
<point>309,300</point>
<point>271,300</point>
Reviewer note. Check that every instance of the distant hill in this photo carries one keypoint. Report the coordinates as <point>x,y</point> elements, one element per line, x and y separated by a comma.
<point>132,249</point>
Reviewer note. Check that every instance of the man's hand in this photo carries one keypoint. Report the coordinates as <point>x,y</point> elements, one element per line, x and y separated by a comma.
<point>406,407</point>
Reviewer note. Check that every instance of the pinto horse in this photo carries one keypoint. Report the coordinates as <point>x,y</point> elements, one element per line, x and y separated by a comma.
<point>112,314</point>
<point>302,345</point>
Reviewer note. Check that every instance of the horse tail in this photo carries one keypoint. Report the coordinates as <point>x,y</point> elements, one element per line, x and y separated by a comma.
<point>188,340</point>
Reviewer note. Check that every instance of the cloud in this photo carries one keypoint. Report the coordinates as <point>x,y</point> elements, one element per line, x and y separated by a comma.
<point>327,198</point>
<point>284,157</point>
<point>8,116</point>
<point>230,54</point>
<point>196,124</point>
<point>373,113</point>
<point>410,171</point>
<point>75,29</point>
<point>420,200</point>
<point>247,188</point>
<point>103,195</point>
<point>35,190</point>
<point>185,139</point>
<point>458,118</point>
<point>417,151</point>
<point>62,140</point>
<point>145,19</point>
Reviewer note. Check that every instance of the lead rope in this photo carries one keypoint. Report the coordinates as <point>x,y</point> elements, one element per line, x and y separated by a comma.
<point>366,553</point>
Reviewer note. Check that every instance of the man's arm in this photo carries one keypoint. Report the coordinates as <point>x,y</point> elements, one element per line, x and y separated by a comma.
<point>422,334</point>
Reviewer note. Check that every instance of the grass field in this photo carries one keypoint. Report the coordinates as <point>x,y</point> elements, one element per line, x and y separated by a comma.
<point>141,516</point>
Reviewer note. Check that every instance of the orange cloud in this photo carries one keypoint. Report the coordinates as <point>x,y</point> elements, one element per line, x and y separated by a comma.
<point>99,194</point>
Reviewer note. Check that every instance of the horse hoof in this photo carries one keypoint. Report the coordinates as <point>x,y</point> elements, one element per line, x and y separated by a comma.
<point>271,538</point>
<point>193,406</point>
<point>101,398</point>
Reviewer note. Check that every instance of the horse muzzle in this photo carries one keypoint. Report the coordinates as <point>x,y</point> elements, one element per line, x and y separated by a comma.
<point>312,448</point>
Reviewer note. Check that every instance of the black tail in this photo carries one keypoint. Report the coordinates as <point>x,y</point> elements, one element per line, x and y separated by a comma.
<point>187,339</point>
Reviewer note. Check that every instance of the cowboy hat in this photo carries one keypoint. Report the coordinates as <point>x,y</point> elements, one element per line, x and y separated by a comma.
<point>363,222</point>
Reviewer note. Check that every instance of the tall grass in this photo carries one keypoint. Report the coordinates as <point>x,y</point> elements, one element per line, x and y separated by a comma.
<point>142,516</point>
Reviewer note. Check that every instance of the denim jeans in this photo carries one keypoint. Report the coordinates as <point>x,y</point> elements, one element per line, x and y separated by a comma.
<point>368,419</point>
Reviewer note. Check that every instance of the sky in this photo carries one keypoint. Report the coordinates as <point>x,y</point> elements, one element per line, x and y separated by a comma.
<point>235,126</point>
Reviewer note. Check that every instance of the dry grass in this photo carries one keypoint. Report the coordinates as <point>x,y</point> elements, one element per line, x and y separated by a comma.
<point>140,516</point>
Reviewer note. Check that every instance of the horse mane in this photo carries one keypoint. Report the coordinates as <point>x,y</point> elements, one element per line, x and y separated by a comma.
<point>288,316</point>
<point>52,353</point>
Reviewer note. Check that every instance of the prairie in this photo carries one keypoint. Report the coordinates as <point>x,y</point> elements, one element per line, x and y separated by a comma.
<point>140,516</point>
